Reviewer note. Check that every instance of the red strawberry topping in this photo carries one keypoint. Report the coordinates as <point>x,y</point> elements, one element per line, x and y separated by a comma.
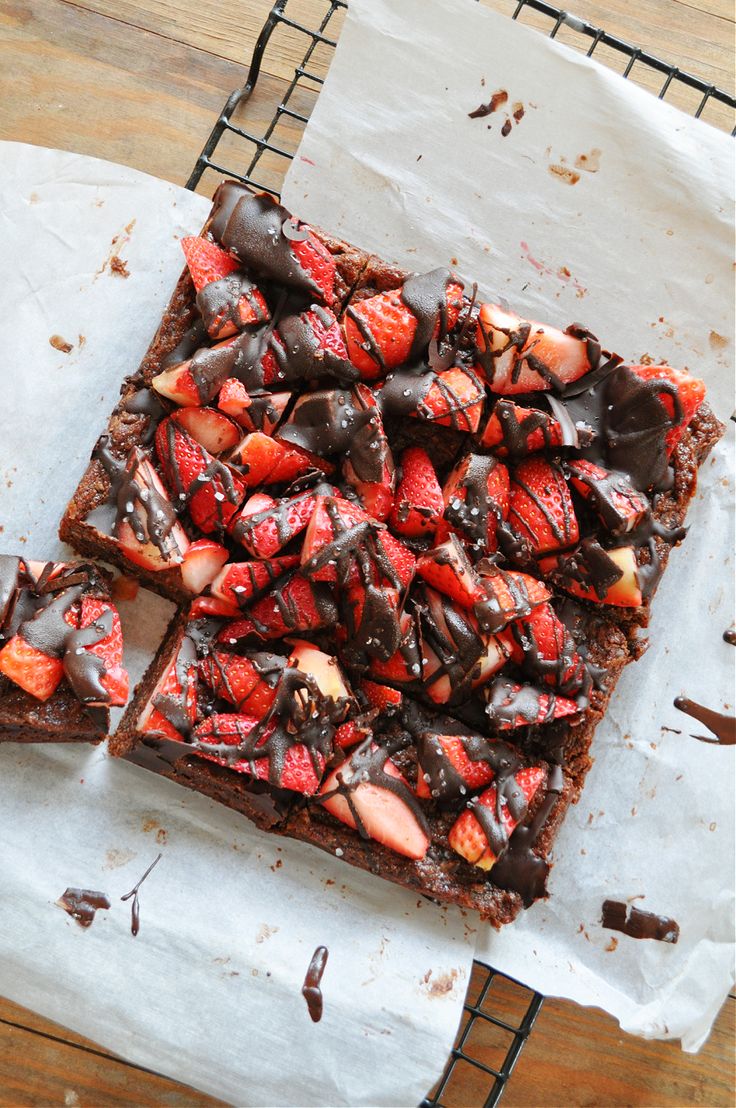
<point>540,508</point>
<point>418,503</point>
<point>480,834</point>
<point>211,491</point>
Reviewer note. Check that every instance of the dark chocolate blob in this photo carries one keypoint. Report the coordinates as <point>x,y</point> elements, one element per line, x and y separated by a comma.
<point>638,924</point>
<point>722,726</point>
<point>81,904</point>
<point>311,990</point>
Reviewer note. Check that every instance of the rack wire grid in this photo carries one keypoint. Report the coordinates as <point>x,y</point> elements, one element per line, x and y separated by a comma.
<point>499,1012</point>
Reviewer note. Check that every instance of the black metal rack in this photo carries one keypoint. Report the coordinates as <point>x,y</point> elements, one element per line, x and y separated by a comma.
<point>499,1012</point>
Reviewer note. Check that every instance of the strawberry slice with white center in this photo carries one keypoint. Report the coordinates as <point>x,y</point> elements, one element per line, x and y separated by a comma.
<point>264,525</point>
<point>680,393</point>
<point>266,461</point>
<point>481,832</point>
<point>201,564</point>
<point>211,491</point>
<point>508,596</point>
<point>262,412</point>
<point>510,704</point>
<point>368,793</point>
<point>296,605</point>
<point>620,507</point>
<point>149,531</point>
<point>602,576</point>
<point>540,507</point>
<point>448,569</point>
<point>212,429</point>
<point>323,670</point>
<point>250,685</point>
<point>542,645</point>
<point>380,330</point>
<point>236,305</point>
<point>518,355</point>
<point>476,497</point>
<point>105,682</point>
<point>418,504</point>
<point>239,583</point>
<point>296,771</point>
<point>336,531</point>
<point>172,710</point>
<point>515,431</point>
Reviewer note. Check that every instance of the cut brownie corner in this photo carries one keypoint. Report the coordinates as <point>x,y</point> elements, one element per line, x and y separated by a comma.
<point>61,652</point>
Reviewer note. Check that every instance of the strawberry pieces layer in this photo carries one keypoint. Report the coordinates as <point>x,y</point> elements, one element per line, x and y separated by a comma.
<point>518,355</point>
<point>447,569</point>
<point>540,507</point>
<point>467,835</point>
<point>418,503</point>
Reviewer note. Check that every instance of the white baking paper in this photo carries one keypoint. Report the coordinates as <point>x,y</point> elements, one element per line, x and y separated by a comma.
<point>639,249</point>
<point>209,991</point>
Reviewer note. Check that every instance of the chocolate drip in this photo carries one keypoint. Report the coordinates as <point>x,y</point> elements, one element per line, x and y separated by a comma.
<point>252,228</point>
<point>219,302</point>
<point>722,726</point>
<point>638,924</point>
<point>9,573</point>
<point>454,640</point>
<point>519,869</point>
<point>517,430</point>
<point>135,914</point>
<point>644,535</point>
<point>144,402</point>
<point>470,515</point>
<point>173,707</point>
<point>83,669</point>
<point>613,498</point>
<point>48,631</point>
<point>81,904</point>
<point>336,422</point>
<point>491,614</point>
<point>215,472</point>
<point>365,766</point>
<point>425,295</point>
<point>149,513</point>
<point>311,990</point>
<point>404,393</point>
<point>730,637</point>
<point>588,565</point>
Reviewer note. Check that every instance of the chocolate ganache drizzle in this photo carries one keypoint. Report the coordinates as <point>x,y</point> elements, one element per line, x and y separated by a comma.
<point>133,501</point>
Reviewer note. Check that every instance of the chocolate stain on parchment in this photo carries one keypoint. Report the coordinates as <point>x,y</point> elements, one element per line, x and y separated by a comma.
<point>563,173</point>
<point>135,913</point>
<point>81,904</point>
<point>311,990</point>
<point>60,344</point>
<point>590,162</point>
<point>499,98</point>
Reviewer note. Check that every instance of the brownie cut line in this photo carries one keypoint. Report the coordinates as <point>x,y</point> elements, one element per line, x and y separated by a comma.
<point>414,538</point>
<point>61,652</point>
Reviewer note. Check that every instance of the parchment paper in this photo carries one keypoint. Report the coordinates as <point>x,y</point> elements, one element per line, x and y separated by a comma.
<point>209,991</point>
<point>639,249</point>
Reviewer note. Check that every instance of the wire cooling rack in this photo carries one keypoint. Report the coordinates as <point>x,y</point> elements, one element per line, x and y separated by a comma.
<point>499,1013</point>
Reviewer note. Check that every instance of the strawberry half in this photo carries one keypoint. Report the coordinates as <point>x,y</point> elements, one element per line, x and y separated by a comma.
<point>266,461</point>
<point>542,645</point>
<point>476,498</point>
<point>518,355</point>
<point>264,525</point>
<point>592,573</point>
<point>418,503</point>
<point>336,531</point>
<point>480,834</point>
<point>240,681</point>
<point>508,595</point>
<point>211,491</point>
<point>380,330</point>
<point>454,399</point>
<point>239,583</point>
<point>680,393</point>
<point>316,260</point>
<point>509,704</point>
<point>456,772</point>
<point>172,709</point>
<point>297,605</point>
<point>380,696</point>
<point>540,507</point>
<point>618,504</point>
<point>210,427</point>
<point>296,772</point>
<point>262,412</point>
<point>103,619</point>
<point>32,670</point>
<point>202,562</point>
<point>515,432</point>
<point>236,306</point>
<point>447,569</point>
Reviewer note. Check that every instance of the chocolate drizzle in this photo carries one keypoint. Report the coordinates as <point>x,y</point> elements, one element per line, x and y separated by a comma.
<point>83,669</point>
<point>722,726</point>
<point>638,924</point>
<point>311,990</point>
<point>220,302</point>
<point>81,904</point>
<point>519,868</point>
<point>425,295</point>
<point>135,913</point>
<point>134,500</point>
<point>335,421</point>
<point>446,784</point>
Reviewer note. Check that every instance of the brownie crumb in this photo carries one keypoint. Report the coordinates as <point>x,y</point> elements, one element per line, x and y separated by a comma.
<point>118,266</point>
<point>60,344</point>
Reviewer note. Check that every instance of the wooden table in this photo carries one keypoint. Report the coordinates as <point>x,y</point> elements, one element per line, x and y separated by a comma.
<point>140,82</point>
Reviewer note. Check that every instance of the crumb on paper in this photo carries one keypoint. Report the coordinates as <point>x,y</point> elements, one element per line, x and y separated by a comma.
<point>441,985</point>
<point>149,824</point>
<point>517,111</point>
<point>590,162</point>
<point>265,931</point>
<point>277,865</point>
<point>161,836</point>
<point>118,857</point>
<point>81,340</point>
<point>497,100</point>
<point>613,943</point>
<point>124,588</point>
<point>34,198</point>
<point>60,344</point>
<point>119,267</point>
<point>309,161</point>
<point>717,341</point>
<point>506,129</point>
<point>563,173</point>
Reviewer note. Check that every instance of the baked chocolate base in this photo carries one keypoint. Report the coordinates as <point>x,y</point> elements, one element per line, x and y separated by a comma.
<point>60,719</point>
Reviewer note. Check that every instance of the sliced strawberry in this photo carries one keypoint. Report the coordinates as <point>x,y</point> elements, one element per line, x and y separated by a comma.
<point>689,391</point>
<point>514,431</point>
<point>324,670</point>
<point>213,430</point>
<point>380,330</point>
<point>202,607</point>
<point>350,733</point>
<point>404,667</point>
<point>297,771</point>
<point>30,668</point>
<point>517,355</point>
<point>603,576</point>
<point>380,696</point>
<point>540,508</point>
<point>202,562</point>
<point>149,533</point>
<point>316,260</point>
<point>480,838</point>
<point>211,491</point>
<point>508,595</point>
<point>454,399</point>
<point>103,618</point>
<point>509,704</point>
<point>296,605</point>
<point>242,304</point>
<point>376,496</point>
<point>336,531</point>
<point>449,754</point>
<point>384,804</point>
<point>447,569</point>
<point>262,412</point>
<point>239,583</point>
<point>547,649</point>
<point>177,384</point>
<point>175,696</point>
<point>370,624</point>
<point>455,656</point>
<point>264,526</point>
<point>239,681</point>
<point>619,505</point>
<point>418,503</point>
<point>476,498</point>
<point>266,461</point>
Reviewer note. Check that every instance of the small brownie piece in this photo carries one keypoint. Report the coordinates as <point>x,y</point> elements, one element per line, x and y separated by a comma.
<point>61,652</point>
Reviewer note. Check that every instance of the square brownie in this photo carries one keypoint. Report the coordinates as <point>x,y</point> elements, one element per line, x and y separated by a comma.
<point>61,652</point>
<point>415,538</point>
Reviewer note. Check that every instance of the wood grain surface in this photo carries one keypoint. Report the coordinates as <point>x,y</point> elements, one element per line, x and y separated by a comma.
<point>141,82</point>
